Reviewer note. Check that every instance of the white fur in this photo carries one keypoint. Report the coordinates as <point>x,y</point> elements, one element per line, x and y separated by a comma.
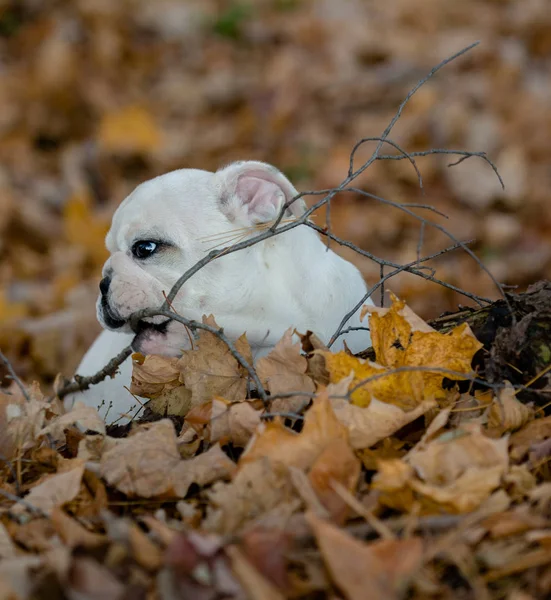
<point>291,279</point>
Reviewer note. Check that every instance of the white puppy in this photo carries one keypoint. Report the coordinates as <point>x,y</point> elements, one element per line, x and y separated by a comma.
<point>161,230</point>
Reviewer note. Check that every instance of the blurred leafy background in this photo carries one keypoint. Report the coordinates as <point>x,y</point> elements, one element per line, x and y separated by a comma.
<point>97,96</point>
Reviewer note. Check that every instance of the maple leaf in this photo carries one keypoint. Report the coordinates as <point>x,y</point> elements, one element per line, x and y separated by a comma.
<point>401,339</point>
<point>211,370</point>
<point>282,371</point>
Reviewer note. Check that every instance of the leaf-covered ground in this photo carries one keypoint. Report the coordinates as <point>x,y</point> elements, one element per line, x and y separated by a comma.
<point>97,96</point>
<point>422,473</point>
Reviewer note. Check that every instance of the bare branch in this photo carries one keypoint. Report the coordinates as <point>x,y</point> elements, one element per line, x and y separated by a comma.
<point>83,383</point>
<point>14,376</point>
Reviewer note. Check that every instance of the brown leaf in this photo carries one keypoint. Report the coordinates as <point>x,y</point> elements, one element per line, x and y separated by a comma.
<point>383,567</point>
<point>367,426</point>
<point>152,375</point>
<point>282,371</point>
<point>211,370</point>
<point>209,466</point>
<point>233,423</point>
<point>258,488</point>
<point>254,583</point>
<point>274,441</point>
<point>533,432</point>
<point>7,547</point>
<point>459,469</point>
<point>141,464</point>
<point>171,402</point>
<point>84,416</point>
<point>56,490</point>
<point>507,413</point>
<point>336,463</point>
<point>72,532</point>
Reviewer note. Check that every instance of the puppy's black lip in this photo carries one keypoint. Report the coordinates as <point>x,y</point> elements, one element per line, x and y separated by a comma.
<point>110,319</point>
<point>145,325</point>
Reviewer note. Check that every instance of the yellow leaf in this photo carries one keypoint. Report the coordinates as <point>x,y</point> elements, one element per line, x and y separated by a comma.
<point>84,229</point>
<point>131,129</point>
<point>10,311</point>
<point>402,339</point>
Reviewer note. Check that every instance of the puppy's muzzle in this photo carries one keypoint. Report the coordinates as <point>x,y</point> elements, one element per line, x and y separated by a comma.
<point>112,320</point>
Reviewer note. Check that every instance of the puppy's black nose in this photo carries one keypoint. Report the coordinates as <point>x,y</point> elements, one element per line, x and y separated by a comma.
<point>104,285</point>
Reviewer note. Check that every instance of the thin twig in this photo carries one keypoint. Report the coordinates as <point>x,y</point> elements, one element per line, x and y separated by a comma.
<point>14,376</point>
<point>27,505</point>
<point>83,383</point>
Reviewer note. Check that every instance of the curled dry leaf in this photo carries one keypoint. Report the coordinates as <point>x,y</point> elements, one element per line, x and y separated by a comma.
<point>276,442</point>
<point>401,339</point>
<point>148,464</point>
<point>507,413</point>
<point>203,469</point>
<point>211,370</point>
<point>233,423</point>
<point>152,375</point>
<point>380,570</point>
<point>86,417</point>
<point>224,422</point>
<point>457,471</point>
<point>283,371</point>
<point>56,490</point>
<point>367,426</point>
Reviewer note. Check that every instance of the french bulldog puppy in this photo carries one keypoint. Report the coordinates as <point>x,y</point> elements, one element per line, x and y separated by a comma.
<point>168,224</point>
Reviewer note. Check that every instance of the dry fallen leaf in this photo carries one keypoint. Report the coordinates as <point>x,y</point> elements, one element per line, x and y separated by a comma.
<point>56,490</point>
<point>86,417</point>
<point>276,442</point>
<point>253,582</point>
<point>457,471</point>
<point>153,375</point>
<point>141,464</point>
<point>379,570</point>
<point>258,488</point>
<point>402,340</point>
<point>203,469</point>
<point>282,371</point>
<point>211,370</point>
<point>148,464</point>
<point>507,413</point>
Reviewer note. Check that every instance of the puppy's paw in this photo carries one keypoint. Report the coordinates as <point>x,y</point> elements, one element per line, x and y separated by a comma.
<point>169,339</point>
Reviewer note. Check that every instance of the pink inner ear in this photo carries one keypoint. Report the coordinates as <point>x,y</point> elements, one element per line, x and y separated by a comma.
<point>263,199</point>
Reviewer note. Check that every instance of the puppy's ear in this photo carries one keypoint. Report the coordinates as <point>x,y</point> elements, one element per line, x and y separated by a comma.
<point>254,192</point>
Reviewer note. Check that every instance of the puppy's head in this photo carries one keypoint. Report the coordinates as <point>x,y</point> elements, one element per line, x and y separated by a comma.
<point>159,232</point>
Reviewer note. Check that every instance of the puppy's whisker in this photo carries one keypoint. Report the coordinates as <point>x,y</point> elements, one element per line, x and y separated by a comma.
<point>230,234</point>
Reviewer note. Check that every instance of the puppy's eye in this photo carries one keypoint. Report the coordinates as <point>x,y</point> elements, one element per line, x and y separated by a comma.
<point>144,248</point>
